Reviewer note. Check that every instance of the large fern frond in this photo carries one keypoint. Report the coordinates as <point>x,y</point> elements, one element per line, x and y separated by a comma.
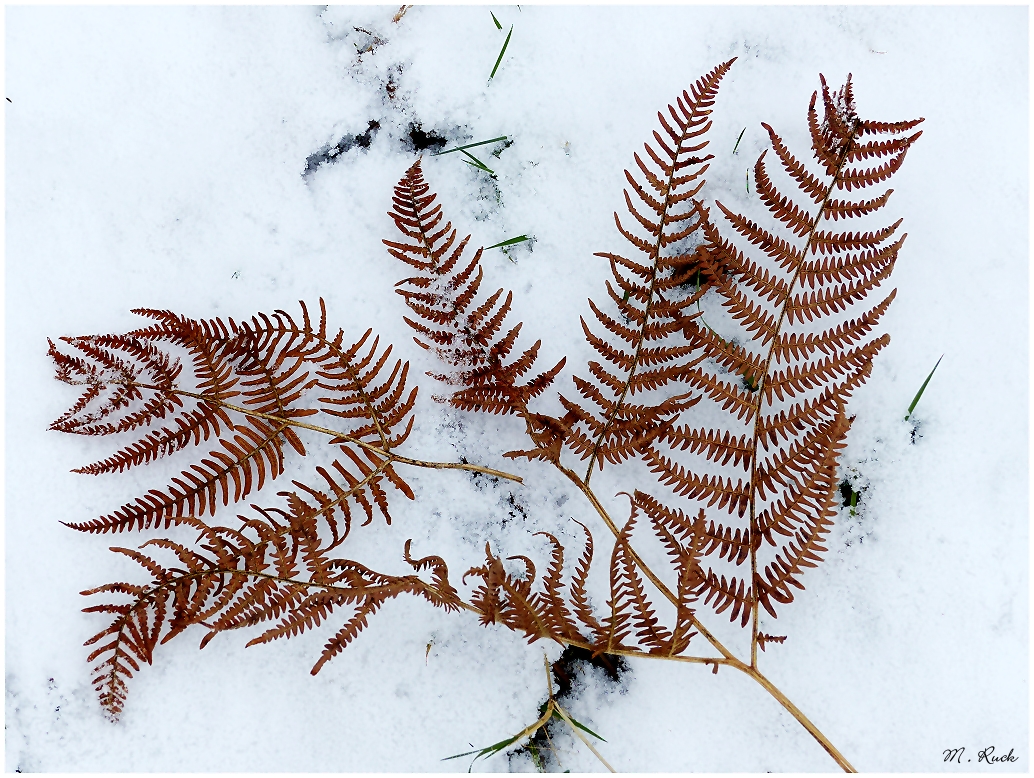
<point>800,295</point>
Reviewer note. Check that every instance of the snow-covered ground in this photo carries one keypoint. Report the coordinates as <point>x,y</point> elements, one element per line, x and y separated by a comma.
<point>155,158</point>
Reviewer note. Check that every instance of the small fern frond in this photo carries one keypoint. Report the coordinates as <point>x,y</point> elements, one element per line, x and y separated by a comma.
<point>463,329</point>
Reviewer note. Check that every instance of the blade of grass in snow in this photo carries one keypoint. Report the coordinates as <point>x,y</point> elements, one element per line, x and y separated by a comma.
<point>581,737</point>
<point>577,723</point>
<point>486,751</point>
<point>497,25</point>
<point>738,140</point>
<point>478,163</point>
<point>501,53</point>
<point>915,400</point>
<point>510,242</point>
<point>470,145</point>
<point>495,748</point>
<point>480,167</point>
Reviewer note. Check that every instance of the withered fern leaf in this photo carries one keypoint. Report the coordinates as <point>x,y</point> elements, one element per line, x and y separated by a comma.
<point>644,347</point>
<point>466,330</point>
<point>737,434</point>
<point>801,293</point>
<point>252,385</point>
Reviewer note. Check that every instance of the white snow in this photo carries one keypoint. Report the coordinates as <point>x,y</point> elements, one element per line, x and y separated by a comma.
<point>154,159</point>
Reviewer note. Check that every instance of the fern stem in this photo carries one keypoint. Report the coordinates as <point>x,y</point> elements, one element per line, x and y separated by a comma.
<point>729,658</point>
<point>639,561</point>
<point>391,455</point>
<point>797,714</point>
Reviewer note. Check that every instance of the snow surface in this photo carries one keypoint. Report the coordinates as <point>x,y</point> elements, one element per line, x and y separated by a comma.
<point>155,158</point>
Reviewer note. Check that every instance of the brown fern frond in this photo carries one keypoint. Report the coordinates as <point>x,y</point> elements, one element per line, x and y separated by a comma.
<point>649,631</point>
<point>579,598</point>
<point>713,489</point>
<point>349,631</point>
<point>114,381</point>
<point>502,598</point>
<point>199,489</point>
<point>702,539</point>
<point>548,434</point>
<point>441,593</point>
<point>649,288</point>
<point>558,615</point>
<point>444,295</point>
<point>375,405</point>
<point>267,366</point>
<point>753,479</point>
<point>785,390</point>
<point>804,479</point>
<point>131,637</point>
<point>691,580</point>
<point>764,638</point>
<point>238,578</point>
<point>629,607</point>
<point>631,429</point>
<point>706,441</point>
<point>313,610</point>
<point>194,426</point>
<point>723,595</point>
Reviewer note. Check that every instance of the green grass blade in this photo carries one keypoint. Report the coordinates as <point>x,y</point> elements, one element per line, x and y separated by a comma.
<point>497,25</point>
<point>580,726</point>
<point>501,53</point>
<point>470,145</point>
<point>480,167</point>
<point>478,163</point>
<point>495,747</point>
<point>510,242</point>
<point>465,753</point>
<point>567,717</point>
<point>915,400</point>
<point>738,140</point>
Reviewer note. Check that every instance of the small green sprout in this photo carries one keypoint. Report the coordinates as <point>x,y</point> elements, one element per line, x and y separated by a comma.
<point>475,162</point>
<point>915,400</point>
<point>470,145</point>
<point>508,242</point>
<point>497,25</point>
<point>748,182</point>
<point>551,709</point>
<point>501,53</point>
<point>738,140</point>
